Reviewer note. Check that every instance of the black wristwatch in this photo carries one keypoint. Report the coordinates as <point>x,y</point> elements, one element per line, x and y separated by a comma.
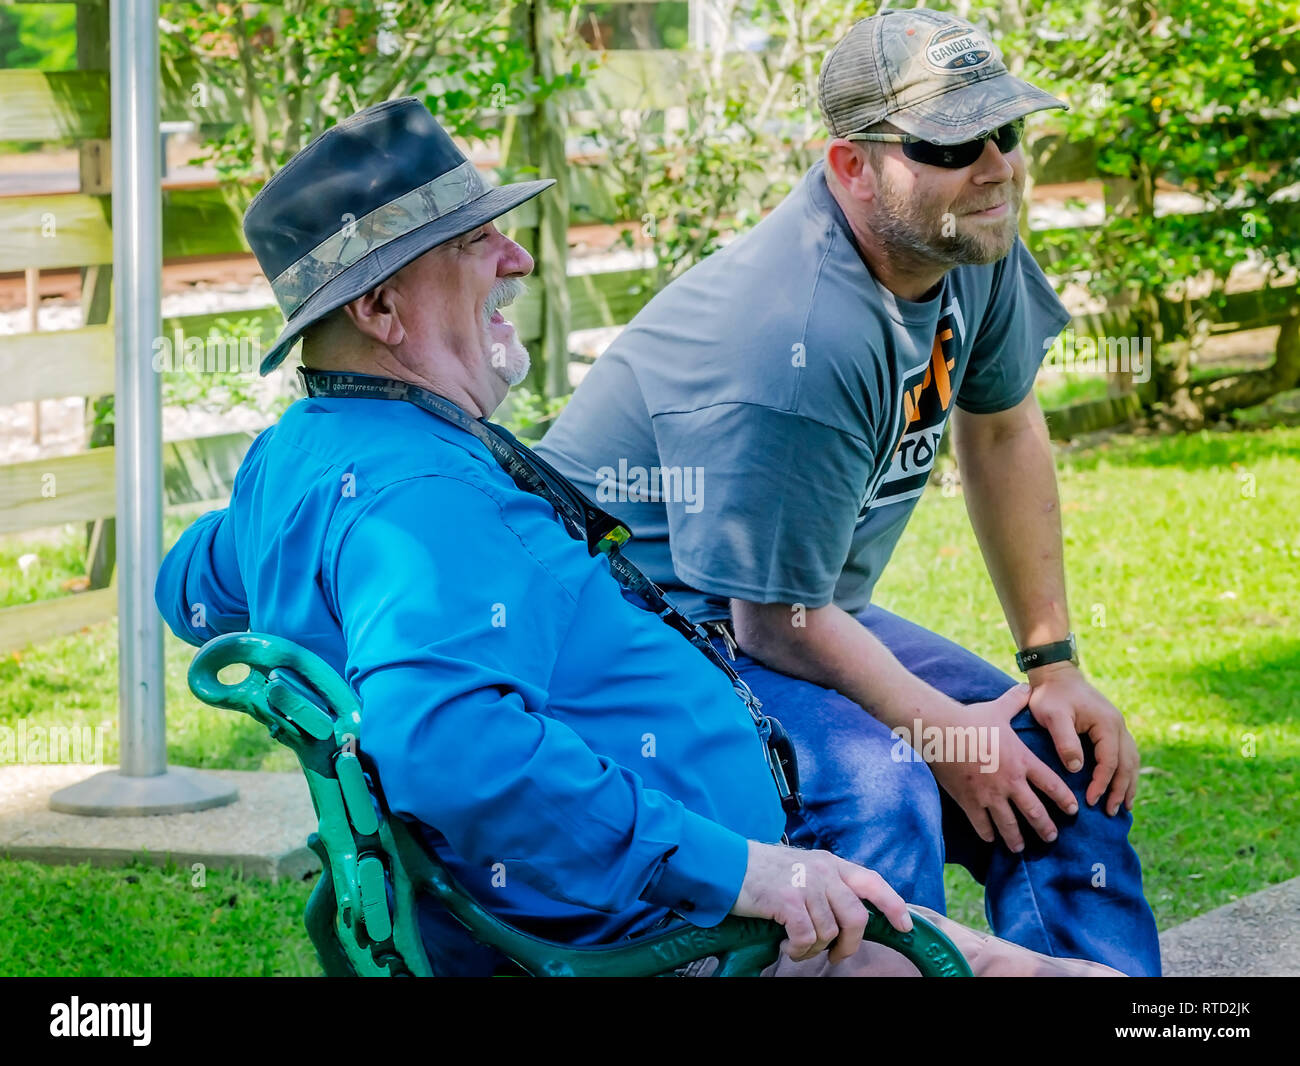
<point>1045,654</point>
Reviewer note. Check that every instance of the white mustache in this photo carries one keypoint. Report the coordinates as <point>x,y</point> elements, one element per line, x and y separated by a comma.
<point>505,291</point>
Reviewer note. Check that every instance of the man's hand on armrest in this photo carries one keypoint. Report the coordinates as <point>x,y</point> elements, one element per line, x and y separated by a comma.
<point>818,897</point>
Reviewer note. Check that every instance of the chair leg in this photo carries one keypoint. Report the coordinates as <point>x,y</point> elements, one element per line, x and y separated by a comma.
<point>319,917</point>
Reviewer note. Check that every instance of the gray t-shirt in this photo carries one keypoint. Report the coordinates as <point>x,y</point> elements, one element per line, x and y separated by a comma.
<point>766,423</point>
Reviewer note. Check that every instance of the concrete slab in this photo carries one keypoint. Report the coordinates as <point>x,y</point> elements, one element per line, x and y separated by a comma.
<point>1258,936</point>
<point>263,833</point>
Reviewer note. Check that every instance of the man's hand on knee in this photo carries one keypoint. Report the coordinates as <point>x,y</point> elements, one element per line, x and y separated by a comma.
<point>1067,706</point>
<point>992,796</point>
<point>818,897</point>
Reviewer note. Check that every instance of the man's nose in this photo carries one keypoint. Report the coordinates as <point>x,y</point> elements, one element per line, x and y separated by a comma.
<point>515,262</point>
<point>992,166</point>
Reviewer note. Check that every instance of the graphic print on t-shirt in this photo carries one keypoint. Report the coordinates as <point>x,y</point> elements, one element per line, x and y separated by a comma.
<point>923,405</point>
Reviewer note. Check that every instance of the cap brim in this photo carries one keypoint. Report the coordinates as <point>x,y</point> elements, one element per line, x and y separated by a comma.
<point>385,261</point>
<point>975,109</point>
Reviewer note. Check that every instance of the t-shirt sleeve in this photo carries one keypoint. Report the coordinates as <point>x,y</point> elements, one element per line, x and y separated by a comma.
<point>1023,319</point>
<point>777,501</point>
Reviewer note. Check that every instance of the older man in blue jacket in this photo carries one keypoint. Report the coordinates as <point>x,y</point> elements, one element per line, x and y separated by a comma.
<point>585,771</point>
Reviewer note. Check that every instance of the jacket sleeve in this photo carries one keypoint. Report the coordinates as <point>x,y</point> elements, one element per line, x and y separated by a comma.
<point>199,591</point>
<point>453,629</point>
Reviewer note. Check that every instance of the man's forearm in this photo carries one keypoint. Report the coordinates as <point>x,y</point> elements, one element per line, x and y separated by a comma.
<point>1010,486</point>
<point>832,649</point>
<point>1009,480</point>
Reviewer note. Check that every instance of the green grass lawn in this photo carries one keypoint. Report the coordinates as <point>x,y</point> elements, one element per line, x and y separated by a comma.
<point>141,921</point>
<point>1061,390</point>
<point>1184,569</point>
<point>1183,591</point>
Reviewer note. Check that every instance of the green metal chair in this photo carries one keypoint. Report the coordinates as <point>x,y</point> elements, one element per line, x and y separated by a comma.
<point>363,849</point>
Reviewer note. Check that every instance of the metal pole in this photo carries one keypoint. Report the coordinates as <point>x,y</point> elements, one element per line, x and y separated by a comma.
<point>137,246</point>
<point>143,784</point>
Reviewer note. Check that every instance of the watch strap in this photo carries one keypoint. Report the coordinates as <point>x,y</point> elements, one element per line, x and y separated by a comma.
<point>1046,654</point>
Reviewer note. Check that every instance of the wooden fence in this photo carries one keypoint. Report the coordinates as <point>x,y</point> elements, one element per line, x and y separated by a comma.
<point>72,230</point>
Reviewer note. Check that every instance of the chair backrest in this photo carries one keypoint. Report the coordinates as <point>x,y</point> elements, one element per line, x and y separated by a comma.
<point>306,706</point>
<point>359,929</point>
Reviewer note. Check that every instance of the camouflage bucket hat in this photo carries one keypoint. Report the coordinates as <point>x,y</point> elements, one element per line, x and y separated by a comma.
<point>933,75</point>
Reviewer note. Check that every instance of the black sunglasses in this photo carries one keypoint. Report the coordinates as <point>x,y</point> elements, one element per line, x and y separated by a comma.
<point>949,156</point>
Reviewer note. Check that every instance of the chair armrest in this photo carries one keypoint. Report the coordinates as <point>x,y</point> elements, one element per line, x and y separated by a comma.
<point>743,946</point>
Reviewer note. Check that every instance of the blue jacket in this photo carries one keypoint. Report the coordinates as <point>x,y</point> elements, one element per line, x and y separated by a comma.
<point>578,764</point>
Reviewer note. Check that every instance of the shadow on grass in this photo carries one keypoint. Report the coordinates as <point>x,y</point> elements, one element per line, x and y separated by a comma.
<point>1261,683</point>
<point>1214,822</point>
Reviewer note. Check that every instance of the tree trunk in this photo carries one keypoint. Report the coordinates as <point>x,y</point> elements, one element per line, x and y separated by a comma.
<point>1192,405</point>
<point>548,124</point>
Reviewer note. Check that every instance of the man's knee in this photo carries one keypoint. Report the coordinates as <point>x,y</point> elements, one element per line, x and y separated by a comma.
<point>1039,741</point>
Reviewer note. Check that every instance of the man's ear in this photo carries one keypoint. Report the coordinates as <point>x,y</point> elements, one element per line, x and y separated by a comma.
<point>375,315</point>
<point>848,162</point>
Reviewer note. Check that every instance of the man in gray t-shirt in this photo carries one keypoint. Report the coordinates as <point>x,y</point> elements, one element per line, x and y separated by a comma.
<point>774,414</point>
<point>765,427</point>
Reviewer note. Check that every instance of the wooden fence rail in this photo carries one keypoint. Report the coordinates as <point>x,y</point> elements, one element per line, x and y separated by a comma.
<point>80,488</point>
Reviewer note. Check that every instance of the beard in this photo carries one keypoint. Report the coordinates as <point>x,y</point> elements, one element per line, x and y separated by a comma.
<point>509,359</point>
<point>915,230</point>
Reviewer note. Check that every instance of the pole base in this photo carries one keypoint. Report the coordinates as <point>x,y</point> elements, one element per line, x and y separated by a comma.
<point>177,790</point>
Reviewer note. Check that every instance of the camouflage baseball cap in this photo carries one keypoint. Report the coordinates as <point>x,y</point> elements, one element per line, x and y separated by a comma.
<point>931,74</point>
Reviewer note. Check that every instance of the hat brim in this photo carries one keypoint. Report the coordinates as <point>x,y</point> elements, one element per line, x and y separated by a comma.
<point>980,107</point>
<point>387,260</point>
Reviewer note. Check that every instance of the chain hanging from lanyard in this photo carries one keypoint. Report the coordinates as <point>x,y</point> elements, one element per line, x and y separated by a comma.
<point>602,532</point>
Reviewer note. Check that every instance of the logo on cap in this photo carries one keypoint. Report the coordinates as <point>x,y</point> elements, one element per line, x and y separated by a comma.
<point>957,48</point>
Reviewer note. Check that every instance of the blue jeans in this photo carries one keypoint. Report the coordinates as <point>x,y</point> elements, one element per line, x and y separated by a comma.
<point>1078,897</point>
